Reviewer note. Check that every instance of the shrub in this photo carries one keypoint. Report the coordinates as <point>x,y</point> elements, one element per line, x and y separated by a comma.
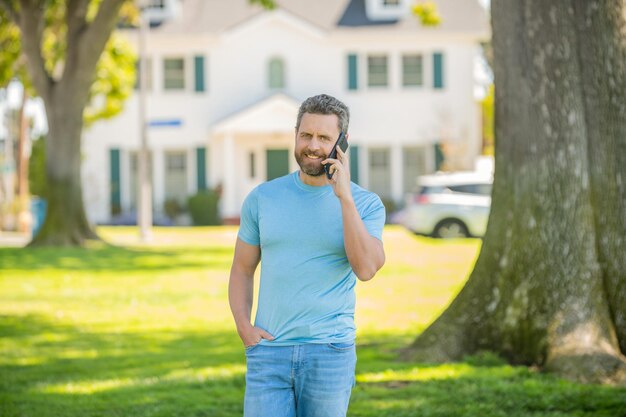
<point>390,207</point>
<point>173,208</point>
<point>37,168</point>
<point>203,208</point>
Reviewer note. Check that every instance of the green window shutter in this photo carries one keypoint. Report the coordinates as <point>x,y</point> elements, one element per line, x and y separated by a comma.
<point>115,192</point>
<point>201,168</point>
<point>199,72</point>
<point>277,163</point>
<point>354,164</point>
<point>438,70</point>
<point>352,72</point>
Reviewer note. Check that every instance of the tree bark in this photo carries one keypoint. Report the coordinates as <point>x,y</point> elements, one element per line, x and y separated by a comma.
<point>549,286</point>
<point>65,98</point>
<point>66,223</point>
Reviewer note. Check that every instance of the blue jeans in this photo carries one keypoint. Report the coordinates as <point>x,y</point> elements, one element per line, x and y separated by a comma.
<point>310,380</point>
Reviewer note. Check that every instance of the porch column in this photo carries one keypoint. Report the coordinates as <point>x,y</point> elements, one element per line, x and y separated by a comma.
<point>397,168</point>
<point>229,191</point>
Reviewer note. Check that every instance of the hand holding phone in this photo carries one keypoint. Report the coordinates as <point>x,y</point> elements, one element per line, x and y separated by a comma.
<point>342,142</point>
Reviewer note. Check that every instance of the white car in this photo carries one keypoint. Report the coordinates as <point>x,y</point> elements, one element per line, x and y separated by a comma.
<point>449,205</point>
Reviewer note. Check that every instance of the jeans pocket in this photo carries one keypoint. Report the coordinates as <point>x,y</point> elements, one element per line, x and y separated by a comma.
<point>341,346</point>
<point>251,348</point>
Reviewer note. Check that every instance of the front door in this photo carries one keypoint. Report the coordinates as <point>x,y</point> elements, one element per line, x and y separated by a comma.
<point>277,163</point>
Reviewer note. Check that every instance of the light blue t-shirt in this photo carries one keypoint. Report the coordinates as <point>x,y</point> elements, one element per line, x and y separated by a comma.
<point>306,292</point>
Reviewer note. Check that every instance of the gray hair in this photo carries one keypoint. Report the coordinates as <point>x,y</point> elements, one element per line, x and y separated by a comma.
<point>325,104</point>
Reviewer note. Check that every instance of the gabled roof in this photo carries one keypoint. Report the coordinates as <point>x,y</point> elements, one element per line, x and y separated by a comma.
<point>218,16</point>
<point>274,114</point>
<point>456,16</point>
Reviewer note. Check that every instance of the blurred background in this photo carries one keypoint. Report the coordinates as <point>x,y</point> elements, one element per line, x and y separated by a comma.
<point>223,82</point>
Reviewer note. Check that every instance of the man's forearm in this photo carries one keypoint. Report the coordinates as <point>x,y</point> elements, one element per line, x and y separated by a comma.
<point>365,252</point>
<point>240,295</point>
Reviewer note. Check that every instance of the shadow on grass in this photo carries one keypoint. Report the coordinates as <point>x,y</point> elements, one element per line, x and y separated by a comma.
<point>480,386</point>
<point>61,370</point>
<point>112,258</point>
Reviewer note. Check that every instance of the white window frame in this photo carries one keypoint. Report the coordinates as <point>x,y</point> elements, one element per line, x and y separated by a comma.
<point>404,55</point>
<point>387,72</point>
<point>183,71</point>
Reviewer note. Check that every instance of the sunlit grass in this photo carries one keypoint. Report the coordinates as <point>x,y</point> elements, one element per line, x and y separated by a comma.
<point>127,329</point>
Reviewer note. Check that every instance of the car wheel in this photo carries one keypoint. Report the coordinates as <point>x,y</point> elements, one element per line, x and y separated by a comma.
<point>450,228</point>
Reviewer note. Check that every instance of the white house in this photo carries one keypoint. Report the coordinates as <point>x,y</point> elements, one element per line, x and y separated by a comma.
<point>226,79</point>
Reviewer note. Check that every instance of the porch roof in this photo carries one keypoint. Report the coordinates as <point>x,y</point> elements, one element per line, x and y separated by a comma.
<point>275,114</point>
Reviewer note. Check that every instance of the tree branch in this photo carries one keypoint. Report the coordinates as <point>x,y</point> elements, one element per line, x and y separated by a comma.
<point>76,13</point>
<point>11,8</point>
<point>31,24</point>
<point>86,43</point>
<point>75,17</point>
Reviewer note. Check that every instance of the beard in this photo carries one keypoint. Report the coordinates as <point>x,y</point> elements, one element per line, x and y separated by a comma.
<point>313,168</point>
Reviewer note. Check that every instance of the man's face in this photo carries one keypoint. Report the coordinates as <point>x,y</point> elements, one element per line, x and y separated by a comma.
<point>314,140</point>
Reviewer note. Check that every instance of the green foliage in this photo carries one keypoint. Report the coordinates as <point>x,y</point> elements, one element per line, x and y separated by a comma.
<point>203,208</point>
<point>10,49</point>
<point>427,13</point>
<point>115,78</point>
<point>390,206</point>
<point>173,208</point>
<point>146,331</point>
<point>267,4</point>
<point>37,168</point>
<point>115,71</point>
<point>487,105</point>
<point>484,358</point>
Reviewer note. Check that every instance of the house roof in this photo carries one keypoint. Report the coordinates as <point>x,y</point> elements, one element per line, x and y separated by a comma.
<point>274,114</point>
<point>456,16</point>
<point>217,16</point>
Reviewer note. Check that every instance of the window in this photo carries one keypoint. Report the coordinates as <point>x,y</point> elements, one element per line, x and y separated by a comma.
<point>377,71</point>
<point>176,176</point>
<point>412,74</point>
<point>481,189</point>
<point>379,158</point>
<point>176,161</point>
<point>276,73</point>
<point>379,171</point>
<point>157,4</point>
<point>174,74</point>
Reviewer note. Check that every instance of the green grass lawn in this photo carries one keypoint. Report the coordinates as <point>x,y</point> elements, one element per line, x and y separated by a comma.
<point>138,330</point>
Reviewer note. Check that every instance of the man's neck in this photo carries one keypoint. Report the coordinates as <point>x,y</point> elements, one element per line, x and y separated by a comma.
<point>318,181</point>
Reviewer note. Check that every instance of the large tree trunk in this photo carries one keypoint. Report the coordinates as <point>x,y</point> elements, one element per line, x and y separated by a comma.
<point>549,286</point>
<point>65,97</point>
<point>66,223</point>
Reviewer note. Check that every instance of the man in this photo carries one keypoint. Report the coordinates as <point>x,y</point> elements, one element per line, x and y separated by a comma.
<point>313,236</point>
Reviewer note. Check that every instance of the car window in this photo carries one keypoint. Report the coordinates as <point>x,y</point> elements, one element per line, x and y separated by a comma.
<point>433,190</point>
<point>463,188</point>
<point>480,189</point>
<point>483,189</point>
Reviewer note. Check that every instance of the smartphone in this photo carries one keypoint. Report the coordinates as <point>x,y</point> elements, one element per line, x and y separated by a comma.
<point>342,142</point>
